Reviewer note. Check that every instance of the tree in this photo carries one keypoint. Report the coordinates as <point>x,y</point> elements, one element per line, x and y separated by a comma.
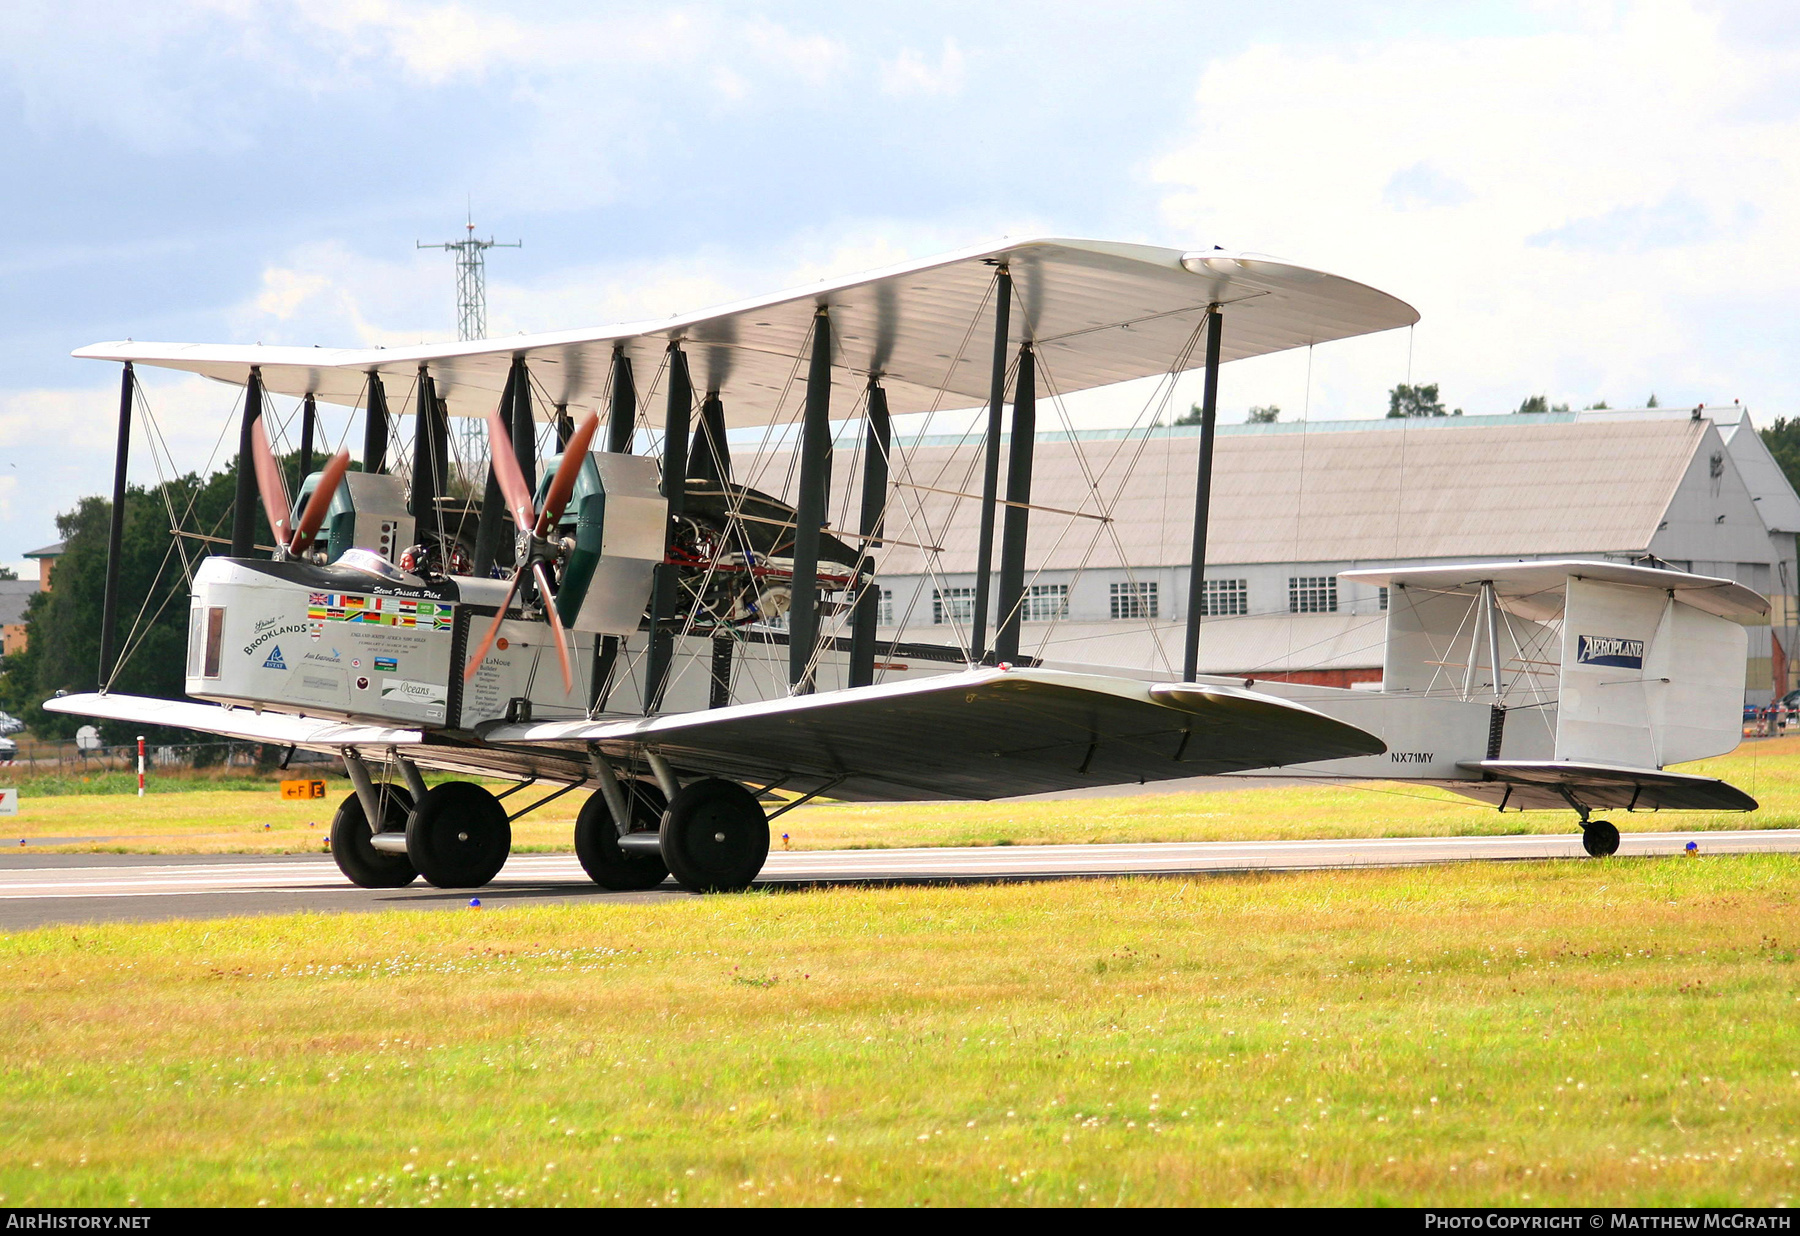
<point>7,572</point>
<point>1651,402</point>
<point>1596,407</point>
<point>1263,415</point>
<point>1783,440</point>
<point>1421,400</point>
<point>1538,403</point>
<point>63,626</point>
<point>1190,417</point>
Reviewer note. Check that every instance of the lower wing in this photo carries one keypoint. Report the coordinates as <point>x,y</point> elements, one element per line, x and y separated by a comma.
<point>1532,785</point>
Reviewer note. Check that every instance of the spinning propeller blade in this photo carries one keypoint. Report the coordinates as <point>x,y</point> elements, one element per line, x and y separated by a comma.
<point>556,626</point>
<point>563,485</point>
<point>493,631</point>
<point>511,479</point>
<point>316,506</point>
<point>270,482</point>
<point>507,472</point>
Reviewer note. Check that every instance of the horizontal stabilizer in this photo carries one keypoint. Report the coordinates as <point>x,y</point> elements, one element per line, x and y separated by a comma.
<point>1534,785</point>
<point>242,723</point>
<point>980,734</point>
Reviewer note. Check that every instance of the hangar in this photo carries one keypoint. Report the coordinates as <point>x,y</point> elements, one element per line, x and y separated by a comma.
<point>1295,505</point>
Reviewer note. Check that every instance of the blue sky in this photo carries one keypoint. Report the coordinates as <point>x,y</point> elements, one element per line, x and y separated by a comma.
<point>1583,200</point>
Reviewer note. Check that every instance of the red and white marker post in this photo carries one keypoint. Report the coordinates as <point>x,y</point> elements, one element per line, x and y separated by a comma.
<point>140,765</point>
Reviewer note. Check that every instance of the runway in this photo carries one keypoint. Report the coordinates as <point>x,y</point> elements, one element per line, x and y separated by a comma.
<point>40,889</point>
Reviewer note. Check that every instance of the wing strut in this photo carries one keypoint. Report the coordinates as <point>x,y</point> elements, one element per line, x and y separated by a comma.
<point>1209,416</point>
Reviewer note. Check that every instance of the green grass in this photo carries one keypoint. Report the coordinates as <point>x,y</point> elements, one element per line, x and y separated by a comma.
<point>1581,1033</point>
<point>257,820</point>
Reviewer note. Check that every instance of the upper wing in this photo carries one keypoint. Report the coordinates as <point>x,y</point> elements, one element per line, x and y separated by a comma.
<point>980,734</point>
<point>911,324</point>
<point>1530,785</point>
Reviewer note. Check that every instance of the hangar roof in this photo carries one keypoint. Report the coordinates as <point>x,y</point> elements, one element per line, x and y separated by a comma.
<point>1348,491</point>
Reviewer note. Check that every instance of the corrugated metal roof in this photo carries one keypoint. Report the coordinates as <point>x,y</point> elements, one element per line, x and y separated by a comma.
<point>1431,489</point>
<point>1253,644</point>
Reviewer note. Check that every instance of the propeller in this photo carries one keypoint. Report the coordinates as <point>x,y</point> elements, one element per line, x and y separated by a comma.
<point>275,498</point>
<point>316,506</point>
<point>269,480</point>
<point>534,528</point>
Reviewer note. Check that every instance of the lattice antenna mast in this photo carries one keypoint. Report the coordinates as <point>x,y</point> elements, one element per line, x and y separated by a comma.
<point>471,279</point>
<point>471,319</point>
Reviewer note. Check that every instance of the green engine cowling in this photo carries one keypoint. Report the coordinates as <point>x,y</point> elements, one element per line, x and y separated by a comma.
<point>584,519</point>
<point>368,511</point>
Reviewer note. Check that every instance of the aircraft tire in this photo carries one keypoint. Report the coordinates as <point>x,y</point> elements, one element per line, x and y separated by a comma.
<point>1599,838</point>
<point>715,837</point>
<point>362,864</point>
<point>597,840</point>
<point>459,837</point>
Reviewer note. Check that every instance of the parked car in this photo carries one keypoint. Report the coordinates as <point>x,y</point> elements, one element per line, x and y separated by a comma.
<point>9,750</point>
<point>9,724</point>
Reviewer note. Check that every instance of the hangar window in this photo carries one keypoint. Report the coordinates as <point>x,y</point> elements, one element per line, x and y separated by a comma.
<point>1312,594</point>
<point>1221,598</point>
<point>1047,603</point>
<point>884,616</point>
<point>1384,599</point>
<point>952,605</point>
<point>1134,599</point>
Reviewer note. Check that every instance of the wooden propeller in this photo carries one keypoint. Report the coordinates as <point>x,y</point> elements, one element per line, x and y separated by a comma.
<point>517,494</point>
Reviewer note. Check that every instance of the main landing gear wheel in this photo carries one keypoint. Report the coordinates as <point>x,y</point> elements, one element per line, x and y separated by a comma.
<point>459,837</point>
<point>597,839</point>
<point>715,837</point>
<point>1599,838</point>
<point>361,863</point>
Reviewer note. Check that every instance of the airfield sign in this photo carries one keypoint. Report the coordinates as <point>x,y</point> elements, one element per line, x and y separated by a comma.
<point>9,800</point>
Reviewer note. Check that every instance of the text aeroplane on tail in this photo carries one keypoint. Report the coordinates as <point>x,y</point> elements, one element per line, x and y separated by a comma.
<point>679,644</point>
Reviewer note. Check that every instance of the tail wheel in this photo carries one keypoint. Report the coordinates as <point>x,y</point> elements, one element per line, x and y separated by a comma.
<point>597,839</point>
<point>1599,838</point>
<point>715,837</point>
<point>459,837</point>
<point>361,863</point>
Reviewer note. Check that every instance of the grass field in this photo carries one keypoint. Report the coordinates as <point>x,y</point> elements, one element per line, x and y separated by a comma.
<point>1602,1032</point>
<point>257,820</point>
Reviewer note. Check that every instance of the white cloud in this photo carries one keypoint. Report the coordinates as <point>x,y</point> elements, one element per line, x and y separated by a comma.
<point>1603,208</point>
<point>909,74</point>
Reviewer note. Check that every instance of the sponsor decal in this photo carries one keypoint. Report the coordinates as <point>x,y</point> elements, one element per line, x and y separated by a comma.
<point>387,663</point>
<point>267,630</point>
<point>355,662</point>
<point>328,658</point>
<point>380,611</point>
<point>1609,650</point>
<point>362,684</point>
<point>407,691</point>
<point>274,660</point>
<point>317,682</point>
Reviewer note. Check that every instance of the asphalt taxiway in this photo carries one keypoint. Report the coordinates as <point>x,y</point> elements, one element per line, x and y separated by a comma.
<point>39,889</point>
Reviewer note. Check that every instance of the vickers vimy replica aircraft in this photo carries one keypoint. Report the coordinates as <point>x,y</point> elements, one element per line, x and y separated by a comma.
<point>679,645</point>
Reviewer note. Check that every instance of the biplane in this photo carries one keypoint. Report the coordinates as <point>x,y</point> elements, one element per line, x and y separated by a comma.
<point>634,622</point>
